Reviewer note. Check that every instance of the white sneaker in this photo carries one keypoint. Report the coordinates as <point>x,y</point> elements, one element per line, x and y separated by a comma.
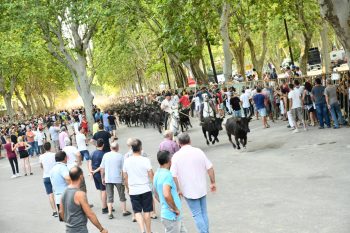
<point>296,131</point>
<point>13,176</point>
<point>18,175</point>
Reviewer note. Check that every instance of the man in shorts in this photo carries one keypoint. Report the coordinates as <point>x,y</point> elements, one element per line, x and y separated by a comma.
<point>294,97</point>
<point>94,164</point>
<point>138,176</point>
<point>111,173</point>
<point>47,162</point>
<point>259,101</point>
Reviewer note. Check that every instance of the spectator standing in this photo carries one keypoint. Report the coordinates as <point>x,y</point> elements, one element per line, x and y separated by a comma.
<point>308,103</point>
<point>189,168</point>
<point>54,130</point>
<point>22,148</point>
<point>59,177</point>
<point>105,136</point>
<point>47,162</point>
<point>74,208</point>
<point>138,175</point>
<point>30,140</point>
<point>112,175</point>
<point>165,191</point>
<point>168,144</point>
<point>245,103</point>
<point>112,122</point>
<point>62,136</point>
<point>259,100</point>
<point>318,96</point>
<point>94,164</point>
<point>81,144</point>
<point>294,97</point>
<point>333,104</point>
<point>12,157</point>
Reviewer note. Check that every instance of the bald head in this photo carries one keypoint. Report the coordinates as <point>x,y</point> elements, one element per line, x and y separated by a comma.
<point>75,173</point>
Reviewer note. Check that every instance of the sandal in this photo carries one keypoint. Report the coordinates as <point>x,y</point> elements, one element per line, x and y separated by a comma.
<point>154,217</point>
<point>126,213</point>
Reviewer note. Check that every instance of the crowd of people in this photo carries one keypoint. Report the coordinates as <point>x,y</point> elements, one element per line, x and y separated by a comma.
<point>61,141</point>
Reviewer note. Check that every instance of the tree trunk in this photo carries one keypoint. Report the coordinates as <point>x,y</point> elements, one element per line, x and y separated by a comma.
<point>25,105</point>
<point>258,63</point>
<point>305,55</point>
<point>325,47</point>
<point>337,13</point>
<point>197,72</point>
<point>239,57</point>
<point>225,18</point>
<point>8,104</point>
<point>139,79</point>
<point>178,70</point>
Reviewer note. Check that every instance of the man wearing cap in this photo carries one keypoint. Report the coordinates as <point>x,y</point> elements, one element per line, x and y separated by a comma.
<point>166,107</point>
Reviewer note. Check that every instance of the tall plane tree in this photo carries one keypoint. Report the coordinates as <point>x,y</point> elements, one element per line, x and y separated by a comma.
<point>68,28</point>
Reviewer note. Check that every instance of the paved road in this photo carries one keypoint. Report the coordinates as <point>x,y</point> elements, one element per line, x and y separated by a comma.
<point>282,182</point>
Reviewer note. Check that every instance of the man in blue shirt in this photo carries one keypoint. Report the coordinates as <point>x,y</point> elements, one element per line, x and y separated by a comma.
<point>59,177</point>
<point>259,101</point>
<point>166,193</point>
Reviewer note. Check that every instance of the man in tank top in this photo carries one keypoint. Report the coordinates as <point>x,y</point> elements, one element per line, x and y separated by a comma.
<point>74,208</point>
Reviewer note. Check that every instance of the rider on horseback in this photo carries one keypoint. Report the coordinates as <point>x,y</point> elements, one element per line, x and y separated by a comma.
<point>166,107</point>
<point>207,108</point>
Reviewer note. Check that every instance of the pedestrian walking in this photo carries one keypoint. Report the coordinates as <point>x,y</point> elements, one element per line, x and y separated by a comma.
<point>318,96</point>
<point>189,168</point>
<point>54,132</point>
<point>138,175</point>
<point>105,136</point>
<point>259,101</point>
<point>62,136</point>
<point>59,177</point>
<point>74,208</point>
<point>165,192</point>
<point>47,162</point>
<point>82,144</point>
<point>94,164</point>
<point>12,157</point>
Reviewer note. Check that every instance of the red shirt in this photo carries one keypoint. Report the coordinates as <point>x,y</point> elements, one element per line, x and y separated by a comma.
<point>84,124</point>
<point>10,154</point>
<point>185,101</point>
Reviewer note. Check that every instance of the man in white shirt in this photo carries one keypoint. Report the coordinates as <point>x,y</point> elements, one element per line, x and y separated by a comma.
<point>47,162</point>
<point>189,168</point>
<point>81,144</point>
<point>166,107</point>
<point>138,176</point>
<point>112,175</point>
<point>245,103</point>
<point>73,154</point>
<point>294,97</point>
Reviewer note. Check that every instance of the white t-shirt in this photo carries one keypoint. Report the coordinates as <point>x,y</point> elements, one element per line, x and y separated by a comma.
<point>48,161</point>
<point>245,100</point>
<point>295,96</point>
<point>81,141</point>
<point>40,136</point>
<point>137,168</point>
<point>71,152</point>
<point>76,127</point>
<point>113,162</point>
<point>165,106</point>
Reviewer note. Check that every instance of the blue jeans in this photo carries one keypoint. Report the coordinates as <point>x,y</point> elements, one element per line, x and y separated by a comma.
<point>237,113</point>
<point>36,148</point>
<point>85,154</point>
<point>198,209</point>
<point>31,149</point>
<point>322,113</point>
<point>336,114</point>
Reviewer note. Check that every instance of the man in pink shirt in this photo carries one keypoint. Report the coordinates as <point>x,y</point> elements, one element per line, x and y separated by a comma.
<point>168,144</point>
<point>62,136</point>
<point>189,168</point>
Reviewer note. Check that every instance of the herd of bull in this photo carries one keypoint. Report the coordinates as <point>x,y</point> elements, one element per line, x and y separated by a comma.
<point>151,115</point>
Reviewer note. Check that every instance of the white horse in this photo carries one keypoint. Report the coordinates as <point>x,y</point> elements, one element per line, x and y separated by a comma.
<point>175,120</point>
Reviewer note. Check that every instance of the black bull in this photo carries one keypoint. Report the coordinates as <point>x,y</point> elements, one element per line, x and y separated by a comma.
<point>212,126</point>
<point>239,127</point>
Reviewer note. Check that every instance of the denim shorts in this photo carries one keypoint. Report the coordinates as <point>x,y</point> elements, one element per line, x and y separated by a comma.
<point>85,155</point>
<point>48,185</point>
<point>262,112</point>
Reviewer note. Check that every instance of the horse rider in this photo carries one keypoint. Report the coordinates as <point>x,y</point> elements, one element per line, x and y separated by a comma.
<point>207,108</point>
<point>166,107</point>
